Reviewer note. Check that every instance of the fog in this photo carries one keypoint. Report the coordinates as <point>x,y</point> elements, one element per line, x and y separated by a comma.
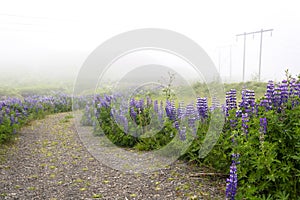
<point>44,42</point>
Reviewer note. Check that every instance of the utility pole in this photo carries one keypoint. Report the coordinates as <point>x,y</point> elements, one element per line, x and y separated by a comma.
<point>260,49</point>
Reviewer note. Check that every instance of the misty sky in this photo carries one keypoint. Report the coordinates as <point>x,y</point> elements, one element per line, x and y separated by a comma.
<point>57,36</point>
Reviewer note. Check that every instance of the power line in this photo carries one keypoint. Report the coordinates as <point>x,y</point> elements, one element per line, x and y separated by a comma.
<point>260,49</point>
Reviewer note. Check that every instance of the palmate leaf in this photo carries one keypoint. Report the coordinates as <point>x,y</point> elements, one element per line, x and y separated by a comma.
<point>283,195</point>
<point>296,157</point>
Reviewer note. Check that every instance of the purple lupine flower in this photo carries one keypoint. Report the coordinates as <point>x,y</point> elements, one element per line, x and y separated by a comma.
<point>133,114</point>
<point>182,133</point>
<point>231,182</point>
<point>180,111</point>
<point>263,124</point>
<point>190,110</point>
<point>132,102</point>
<point>267,103</point>
<point>284,91</point>
<point>233,123</point>
<point>192,117</point>
<point>294,91</point>
<point>231,99</point>
<point>161,112</point>
<point>140,105</point>
<point>270,90</point>
<point>104,102</point>
<point>161,105</point>
<point>149,101</point>
<point>124,123</point>
<point>245,120</point>
<point>155,106</point>
<point>251,99</point>
<point>113,113</point>
<point>244,103</point>
<point>108,98</point>
<point>176,125</point>
<point>171,110</point>
<point>18,114</point>
<point>291,86</point>
<point>277,97</point>
<point>297,89</point>
<point>215,103</point>
<point>248,101</point>
<point>202,107</point>
<point>12,120</point>
<point>168,109</point>
<point>7,110</point>
<point>238,113</point>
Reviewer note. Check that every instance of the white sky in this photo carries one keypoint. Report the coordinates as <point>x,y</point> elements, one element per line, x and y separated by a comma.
<point>38,35</point>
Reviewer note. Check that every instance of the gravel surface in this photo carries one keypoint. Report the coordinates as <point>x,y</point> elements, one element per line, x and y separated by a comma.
<point>48,161</point>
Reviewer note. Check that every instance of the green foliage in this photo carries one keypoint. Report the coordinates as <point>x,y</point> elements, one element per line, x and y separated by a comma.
<point>142,140</point>
<point>201,89</point>
<point>18,113</point>
<point>269,163</point>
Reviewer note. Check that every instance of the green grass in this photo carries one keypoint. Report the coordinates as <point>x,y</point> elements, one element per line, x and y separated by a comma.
<point>186,94</point>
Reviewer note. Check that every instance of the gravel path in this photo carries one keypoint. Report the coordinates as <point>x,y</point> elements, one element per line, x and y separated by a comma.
<point>48,161</point>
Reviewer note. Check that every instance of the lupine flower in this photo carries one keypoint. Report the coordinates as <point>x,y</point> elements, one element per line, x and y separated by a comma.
<point>284,91</point>
<point>245,120</point>
<point>263,124</point>
<point>133,114</point>
<point>270,90</point>
<point>248,101</point>
<point>202,107</point>
<point>140,105</point>
<point>180,111</point>
<point>192,117</point>
<point>155,106</point>
<point>108,98</point>
<point>215,103</point>
<point>263,130</point>
<point>294,91</point>
<point>233,123</point>
<point>171,110</point>
<point>161,105</point>
<point>7,110</point>
<point>12,120</point>
<point>176,125</point>
<point>168,109</point>
<point>124,122</point>
<point>244,103</point>
<point>161,112</point>
<point>277,97</point>
<point>238,113</point>
<point>132,102</point>
<point>149,101</point>
<point>266,103</point>
<point>104,102</point>
<point>182,133</point>
<point>231,99</point>
<point>297,89</point>
<point>231,182</point>
<point>291,86</point>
